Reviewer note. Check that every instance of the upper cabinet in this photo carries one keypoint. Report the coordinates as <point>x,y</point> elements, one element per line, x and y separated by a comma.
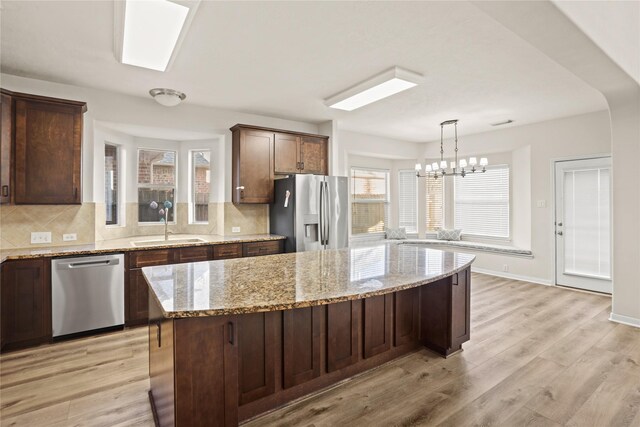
<point>261,153</point>
<point>41,153</point>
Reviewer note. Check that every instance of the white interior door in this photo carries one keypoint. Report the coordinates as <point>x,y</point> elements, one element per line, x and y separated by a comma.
<point>583,224</point>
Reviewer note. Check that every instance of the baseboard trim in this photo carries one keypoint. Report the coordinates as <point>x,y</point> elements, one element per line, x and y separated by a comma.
<point>530,279</point>
<point>625,320</point>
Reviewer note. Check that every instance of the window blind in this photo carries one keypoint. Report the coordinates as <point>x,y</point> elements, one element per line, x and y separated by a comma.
<point>435,203</point>
<point>481,202</point>
<point>408,200</point>
<point>369,200</point>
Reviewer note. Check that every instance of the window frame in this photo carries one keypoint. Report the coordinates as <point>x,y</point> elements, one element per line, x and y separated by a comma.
<point>443,207</point>
<point>120,205</point>
<point>477,236</point>
<point>411,172</point>
<point>192,186</point>
<point>387,201</point>
<point>156,186</point>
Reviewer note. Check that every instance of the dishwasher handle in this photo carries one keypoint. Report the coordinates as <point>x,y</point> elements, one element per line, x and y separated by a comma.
<point>86,264</point>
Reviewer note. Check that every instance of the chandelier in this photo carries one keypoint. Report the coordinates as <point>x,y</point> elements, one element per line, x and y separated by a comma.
<point>436,169</point>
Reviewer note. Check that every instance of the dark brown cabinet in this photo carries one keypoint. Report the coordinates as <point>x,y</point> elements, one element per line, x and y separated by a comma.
<point>313,155</point>
<point>342,334</point>
<point>26,303</point>
<point>301,345</point>
<point>227,251</point>
<point>377,324</point>
<point>260,153</point>
<point>6,147</point>
<point>136,298</point>
<point>406,321</point>
<point>262,248</point>
<point>39,135</point>
<point>252,166</point>
<point>300,154</point>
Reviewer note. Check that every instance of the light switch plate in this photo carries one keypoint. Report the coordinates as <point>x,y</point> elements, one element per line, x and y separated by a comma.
<point>235,229</point>
<point>41,237</point>
<point>541,203</point>
<point>69,237</point>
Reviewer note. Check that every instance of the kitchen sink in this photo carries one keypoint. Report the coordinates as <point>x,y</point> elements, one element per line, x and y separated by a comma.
<point>162,242</point>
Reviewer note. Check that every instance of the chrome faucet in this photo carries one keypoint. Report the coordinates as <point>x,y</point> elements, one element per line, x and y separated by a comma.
<point>166,225</point>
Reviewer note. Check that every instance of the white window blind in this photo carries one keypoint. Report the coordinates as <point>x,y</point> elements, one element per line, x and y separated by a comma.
<point>435,203</point>
<point>408,200</point>
<point>369,200</point>
<point>482,202</point>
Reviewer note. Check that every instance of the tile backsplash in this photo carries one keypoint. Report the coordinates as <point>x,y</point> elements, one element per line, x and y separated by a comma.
<point>88,222</point>
<point>17,223</point>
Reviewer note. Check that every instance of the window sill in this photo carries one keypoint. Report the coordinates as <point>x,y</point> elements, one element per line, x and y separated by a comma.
<point>472,246</point>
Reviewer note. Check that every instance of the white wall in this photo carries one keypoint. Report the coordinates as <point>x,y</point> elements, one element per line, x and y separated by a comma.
<point>117,108</point>
<point>532,149</point>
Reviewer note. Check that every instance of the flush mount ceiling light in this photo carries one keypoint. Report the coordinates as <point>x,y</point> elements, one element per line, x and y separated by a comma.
<point>148,33</point>
<point>167,97</point>
<point>374,89</point>
<point>436,169</point>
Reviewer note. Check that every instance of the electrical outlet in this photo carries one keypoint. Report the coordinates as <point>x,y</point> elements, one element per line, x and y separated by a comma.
<point>40,237</point>
<point>505,267</point>
<point>235,229</point>
<point>69,237</point>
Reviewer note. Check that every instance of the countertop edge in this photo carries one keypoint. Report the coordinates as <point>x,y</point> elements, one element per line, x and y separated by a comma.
<point>301,304</point>
<point>59,251</point>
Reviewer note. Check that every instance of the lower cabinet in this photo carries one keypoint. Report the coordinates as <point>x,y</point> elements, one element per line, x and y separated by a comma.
<point>26,303</point>
<point>136,298</point>
<point>222,370</point>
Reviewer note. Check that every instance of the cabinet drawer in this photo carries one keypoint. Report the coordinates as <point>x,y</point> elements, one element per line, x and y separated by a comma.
<point>193,254</point>
<point>148,258</point>
<point>262,248</point>
<point>233,250</point>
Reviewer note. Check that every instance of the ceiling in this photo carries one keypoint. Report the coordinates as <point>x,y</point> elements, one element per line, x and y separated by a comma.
<point>283,59</point>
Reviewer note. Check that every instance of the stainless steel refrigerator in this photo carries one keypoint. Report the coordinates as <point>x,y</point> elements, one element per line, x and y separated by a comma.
<point>311,211</point>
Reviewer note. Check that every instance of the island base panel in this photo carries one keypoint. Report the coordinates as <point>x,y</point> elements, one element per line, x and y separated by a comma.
<point>222,370</point>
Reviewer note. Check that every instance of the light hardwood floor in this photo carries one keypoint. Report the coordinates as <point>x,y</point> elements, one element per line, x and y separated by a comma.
<point>538,356</point>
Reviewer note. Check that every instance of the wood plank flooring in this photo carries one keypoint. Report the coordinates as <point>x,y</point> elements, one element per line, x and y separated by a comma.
<point>538,356</point>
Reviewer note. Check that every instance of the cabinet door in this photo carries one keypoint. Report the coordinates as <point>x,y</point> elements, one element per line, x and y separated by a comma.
<point>406,316</point>
<point>287,153</point>
<point>262,248</point>
<point>136,298</point>
<point>377,324</point>
<point>257,348</point>
<point>314,155</point>
<point>206,385</point>
<point>48,141</point>
<point>26,302</point>
<point>460,299</point>
<point>194,254</point>
<point>227,251</point>
<point>342,334</point>
<point>301,345</point>
<point>6,148</point>
<point>253,167</point>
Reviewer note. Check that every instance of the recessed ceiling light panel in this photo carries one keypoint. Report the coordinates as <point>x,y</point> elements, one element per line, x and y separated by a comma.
<point>374,89</point>
<point>148,32</point>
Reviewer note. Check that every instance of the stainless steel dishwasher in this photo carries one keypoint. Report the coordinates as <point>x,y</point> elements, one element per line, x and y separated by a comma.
<point>87,293</point>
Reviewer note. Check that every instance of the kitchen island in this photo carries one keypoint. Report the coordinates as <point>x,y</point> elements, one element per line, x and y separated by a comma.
<point>229,340</point>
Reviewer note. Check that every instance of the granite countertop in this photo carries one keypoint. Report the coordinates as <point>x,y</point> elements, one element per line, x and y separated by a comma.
<point>127,244</point>
<point>293,280</point>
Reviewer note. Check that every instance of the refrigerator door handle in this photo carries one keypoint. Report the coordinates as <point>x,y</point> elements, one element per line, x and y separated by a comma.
<point>326,220</point>
<point>321,214</point>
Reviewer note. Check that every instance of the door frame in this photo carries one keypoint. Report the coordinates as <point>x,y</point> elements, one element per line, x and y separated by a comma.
<point>552,213</point>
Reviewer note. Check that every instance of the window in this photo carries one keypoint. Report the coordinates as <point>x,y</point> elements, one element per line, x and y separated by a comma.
<point>111,172</point>
<point>482,203</point>
<point>435,203</point>
<point>408,200</point>
<point>200,180</point>
<point>156,183</point>
<point>370,200</point>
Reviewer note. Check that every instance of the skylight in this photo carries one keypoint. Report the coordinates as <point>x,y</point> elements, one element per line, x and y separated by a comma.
<point>151,31</point>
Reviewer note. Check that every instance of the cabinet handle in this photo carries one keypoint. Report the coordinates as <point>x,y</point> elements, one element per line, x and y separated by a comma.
<point>302,165</point>
<point>75,192</point>
<point>230,331</point>
<point>454,279</point>
<point>5,191</point>
<point>159,333</point>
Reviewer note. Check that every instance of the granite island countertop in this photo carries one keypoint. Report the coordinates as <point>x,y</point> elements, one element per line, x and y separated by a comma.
<point>127,244</point>
<point>294,280</point>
